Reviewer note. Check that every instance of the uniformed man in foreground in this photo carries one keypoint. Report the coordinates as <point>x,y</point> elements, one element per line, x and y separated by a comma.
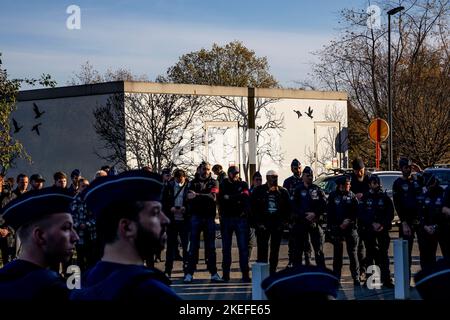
<point>132,225</point>
<point>45,229</point>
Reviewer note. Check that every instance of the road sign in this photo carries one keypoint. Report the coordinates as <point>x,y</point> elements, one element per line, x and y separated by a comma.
<point>378,130</point>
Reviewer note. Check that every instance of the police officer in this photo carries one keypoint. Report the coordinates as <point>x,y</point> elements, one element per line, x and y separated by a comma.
<point>405,190</point>
<point>342,210</point>
<point>234,205</point>
<point>131,225</point>
<point>359,180</point>
<point>44,226</point>
<point>433,226</point>
<point>375,215</point>
<point>290,184</point>
<point>309,204</point>
<point>271,209</point>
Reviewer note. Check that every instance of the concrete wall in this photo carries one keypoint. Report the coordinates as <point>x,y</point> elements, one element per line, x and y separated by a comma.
<point>67,137</point>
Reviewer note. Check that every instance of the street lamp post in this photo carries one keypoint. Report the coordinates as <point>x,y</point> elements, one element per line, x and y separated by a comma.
<point>390,144</point>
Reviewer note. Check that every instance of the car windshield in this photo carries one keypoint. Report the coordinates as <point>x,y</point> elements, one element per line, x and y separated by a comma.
<point>327,184</point>
<point>442,175</point>
<point>387,181</point>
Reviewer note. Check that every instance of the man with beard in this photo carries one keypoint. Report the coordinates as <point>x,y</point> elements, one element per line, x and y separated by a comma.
<point>234,205</point>
<point>45,229</point>
<point>131,225</point>
<point>359,181</point>
<point>201,199</point>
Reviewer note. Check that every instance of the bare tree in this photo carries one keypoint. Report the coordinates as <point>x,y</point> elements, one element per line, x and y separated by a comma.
<point>89,75</point>
<point>357,63</point>
<point>142,129</point>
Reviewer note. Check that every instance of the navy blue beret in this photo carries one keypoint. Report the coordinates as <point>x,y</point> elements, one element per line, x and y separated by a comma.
<point>307,170</point>
<point>133,185</point>
<point>306,282</point>
<point>341,180</point>
<point>36,204</point>
<point>434,283</point>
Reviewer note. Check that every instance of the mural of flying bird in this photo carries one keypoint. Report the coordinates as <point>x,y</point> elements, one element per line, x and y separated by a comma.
<point>16,126</point>
<point>309,112</point>
<point>36,128</point>
<point>299,114</point>
<point>37,112</point>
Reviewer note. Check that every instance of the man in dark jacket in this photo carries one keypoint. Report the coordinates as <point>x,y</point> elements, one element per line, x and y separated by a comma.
<point>290,184</point>
<point>174,205</point>
<point>342,210</point>
<point>309,205</point>
<point>359,181</point>
<point>270,210</point>
<point>234,209</point>
<point>375,215</point>
<point>218,171</point>
<point>406,191</point>
<point>201,199</point>
<point>433,224</point>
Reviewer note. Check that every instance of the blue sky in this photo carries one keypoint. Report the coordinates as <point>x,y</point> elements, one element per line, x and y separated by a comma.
<point>148,36</point>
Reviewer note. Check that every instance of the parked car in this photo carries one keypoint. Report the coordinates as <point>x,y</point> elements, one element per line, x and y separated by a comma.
<point>443,174</point>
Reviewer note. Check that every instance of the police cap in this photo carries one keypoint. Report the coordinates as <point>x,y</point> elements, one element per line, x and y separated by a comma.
<point>36,204</point>
<point>375,178</point>
<point>404,162</point>
<point>133,185</point>
<point>341,180</point>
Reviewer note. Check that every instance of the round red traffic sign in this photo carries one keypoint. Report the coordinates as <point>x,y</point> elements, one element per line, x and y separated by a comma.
<point>378,130</point>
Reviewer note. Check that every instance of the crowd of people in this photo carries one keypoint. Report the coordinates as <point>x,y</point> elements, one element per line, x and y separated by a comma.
<point>116,224</point>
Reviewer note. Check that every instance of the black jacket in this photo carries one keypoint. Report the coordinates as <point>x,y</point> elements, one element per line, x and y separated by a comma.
<point>375,207</point>
<point>430,207</point>
<point>238,202</point>
<point>204,204</point>
<point>341,206</point>
<point>406,193</point>
<point>308,199</point>
<point>291,183</point>
<point>359,186</point>
<point>168,197</point>
<point>270,208</point>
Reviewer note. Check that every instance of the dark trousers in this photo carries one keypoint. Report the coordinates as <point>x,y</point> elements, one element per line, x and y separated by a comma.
<point>263,236</point>
<point>351,241</point>
<point>410,240</point>
<point>207,225</point>
<point>377,250</point>
<point>291,248</point>
<point>304,231</point>
<point>175,229</point>
<point>428,246</point>
<point>240,227</point>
